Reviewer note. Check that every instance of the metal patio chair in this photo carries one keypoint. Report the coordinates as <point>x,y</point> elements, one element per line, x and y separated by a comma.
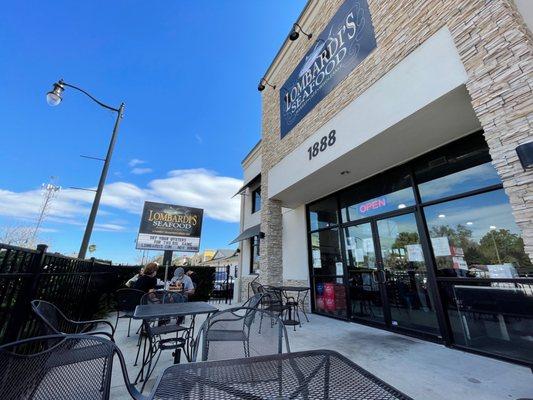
<point>60,367</point>
<point>54,321</point>
<point>152,332</point>
<point>273,300</point>
<point>235,333</point>
<point>127,299</point>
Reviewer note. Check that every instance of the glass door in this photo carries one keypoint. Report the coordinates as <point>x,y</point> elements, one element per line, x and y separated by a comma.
<point>365,284</point>
<point>408,297</point>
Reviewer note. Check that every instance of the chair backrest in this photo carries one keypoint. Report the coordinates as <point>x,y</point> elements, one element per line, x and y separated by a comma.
<point>162,297</point>
<point>128,299</point>
<point>254,301</point>
<point>273,295</point>
<point>256,287</point>
<point>240,332</point>
<point>59,367</point>
<point>54,321</point>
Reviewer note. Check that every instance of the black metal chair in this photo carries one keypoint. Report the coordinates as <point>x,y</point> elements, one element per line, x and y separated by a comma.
<point>236,333</point>
<point>54,321</point>
<point>60,367</point>
<point>152,331</point>
<point>256,287</point>
<point>127,299</point>
<point>273,300</point>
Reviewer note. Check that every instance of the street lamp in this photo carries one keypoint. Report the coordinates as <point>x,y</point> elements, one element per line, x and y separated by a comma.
<point>53,98</point>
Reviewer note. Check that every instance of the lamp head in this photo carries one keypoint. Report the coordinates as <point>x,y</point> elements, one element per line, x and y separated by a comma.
<point>294,34</point>
<point>261,87</point>
<point>53,97</point>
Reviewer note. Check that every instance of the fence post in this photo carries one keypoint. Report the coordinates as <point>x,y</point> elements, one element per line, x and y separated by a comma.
<point>227,284</point>
<point>22,310</point>
<point>81,313</point>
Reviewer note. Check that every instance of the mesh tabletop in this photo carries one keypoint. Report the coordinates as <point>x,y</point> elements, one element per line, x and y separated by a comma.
<point>168,310</point>
<point>312,375</point>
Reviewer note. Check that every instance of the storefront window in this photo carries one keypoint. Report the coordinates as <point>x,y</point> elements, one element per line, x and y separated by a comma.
<point>384,193</point>
<point>254,254</point>
<point>477,237</point>
<point>323,214</point>
<point>325,252</point>
<point>458,168</point>
<point>256,200</point>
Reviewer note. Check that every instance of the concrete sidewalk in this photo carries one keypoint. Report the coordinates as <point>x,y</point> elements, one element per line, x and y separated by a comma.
<point>420,369</point>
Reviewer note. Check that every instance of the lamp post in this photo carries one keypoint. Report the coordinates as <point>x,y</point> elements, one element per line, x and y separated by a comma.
<point>53,98</point>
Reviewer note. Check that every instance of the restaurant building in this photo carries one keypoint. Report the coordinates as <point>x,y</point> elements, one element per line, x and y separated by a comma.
<point>387,177</point>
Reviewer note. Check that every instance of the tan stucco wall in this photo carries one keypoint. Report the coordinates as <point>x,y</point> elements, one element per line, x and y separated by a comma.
<point>496,49</point>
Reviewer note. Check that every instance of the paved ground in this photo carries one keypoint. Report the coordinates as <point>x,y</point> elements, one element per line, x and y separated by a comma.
<point>420,369</point>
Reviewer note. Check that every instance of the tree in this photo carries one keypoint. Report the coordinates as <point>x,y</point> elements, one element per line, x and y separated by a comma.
<point>502,246</point>
<point>22,236</point>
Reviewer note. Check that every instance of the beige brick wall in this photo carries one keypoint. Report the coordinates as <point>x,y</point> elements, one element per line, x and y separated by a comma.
<point>497,51</point>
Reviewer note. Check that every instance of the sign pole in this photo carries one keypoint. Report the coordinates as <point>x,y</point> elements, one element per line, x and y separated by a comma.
<point>167,260</point>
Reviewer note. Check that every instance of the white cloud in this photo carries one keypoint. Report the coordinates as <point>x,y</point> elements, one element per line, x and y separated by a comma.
<point>109,227</point>
<point>141,171</point>
<point>199,188</point>
<point>198,138</point>
<point>135,161</point>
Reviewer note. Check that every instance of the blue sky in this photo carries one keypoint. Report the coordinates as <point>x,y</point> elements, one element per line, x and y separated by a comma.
<point>187,71</point>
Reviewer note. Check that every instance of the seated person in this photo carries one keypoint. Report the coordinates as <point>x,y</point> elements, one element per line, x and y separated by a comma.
<point>185,281</point>
<point>133,279</point>
<point>147,282</point>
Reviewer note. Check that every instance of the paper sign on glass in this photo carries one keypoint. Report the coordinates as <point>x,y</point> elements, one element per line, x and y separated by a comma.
<point>368,245</point>
<point>414,252</point>
<point>441,246</point>
<point>317,263</point>
<point>339,268</point>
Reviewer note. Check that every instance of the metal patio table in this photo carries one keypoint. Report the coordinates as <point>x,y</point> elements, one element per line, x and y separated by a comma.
<point>312,375</point>
<point>153,312</point>
<point>295,304</point>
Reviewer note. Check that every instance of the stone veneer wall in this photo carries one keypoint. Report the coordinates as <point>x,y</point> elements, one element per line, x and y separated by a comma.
<point>496,49</point>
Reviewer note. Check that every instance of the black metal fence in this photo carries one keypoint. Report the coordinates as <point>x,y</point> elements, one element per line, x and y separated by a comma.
<point>82,289</point>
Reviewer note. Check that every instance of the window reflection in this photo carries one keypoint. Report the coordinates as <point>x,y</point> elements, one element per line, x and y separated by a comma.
<point>380,194</point>
<point>460,167</point>
<point>477,237</point>
<point>406,277</point>
<point>323,214</point>
<point>325,253</point>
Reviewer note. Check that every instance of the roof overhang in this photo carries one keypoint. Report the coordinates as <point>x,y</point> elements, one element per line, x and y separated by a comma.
<point>248,233</point>
<point>251,182</point>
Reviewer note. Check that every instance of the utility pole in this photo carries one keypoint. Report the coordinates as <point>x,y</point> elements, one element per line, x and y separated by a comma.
<point>49,192</point>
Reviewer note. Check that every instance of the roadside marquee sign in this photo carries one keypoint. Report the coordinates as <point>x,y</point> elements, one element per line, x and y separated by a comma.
<point>170,227</point>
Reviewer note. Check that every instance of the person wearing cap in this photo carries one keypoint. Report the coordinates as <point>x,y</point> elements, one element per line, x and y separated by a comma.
<point>185,280</point>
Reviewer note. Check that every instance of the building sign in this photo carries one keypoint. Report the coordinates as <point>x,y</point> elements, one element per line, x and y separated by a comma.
<point>345,42</point>
<point>170,227</point>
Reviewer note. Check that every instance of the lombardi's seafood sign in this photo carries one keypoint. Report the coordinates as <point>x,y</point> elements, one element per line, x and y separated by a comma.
<point>170,227</point>
<point>346,41</point>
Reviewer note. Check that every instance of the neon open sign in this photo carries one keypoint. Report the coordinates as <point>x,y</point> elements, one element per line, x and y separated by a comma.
<point>372,205</point>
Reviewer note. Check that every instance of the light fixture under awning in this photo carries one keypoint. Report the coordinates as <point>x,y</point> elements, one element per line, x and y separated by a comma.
<point>248,233</point>
<point>251,182</point>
